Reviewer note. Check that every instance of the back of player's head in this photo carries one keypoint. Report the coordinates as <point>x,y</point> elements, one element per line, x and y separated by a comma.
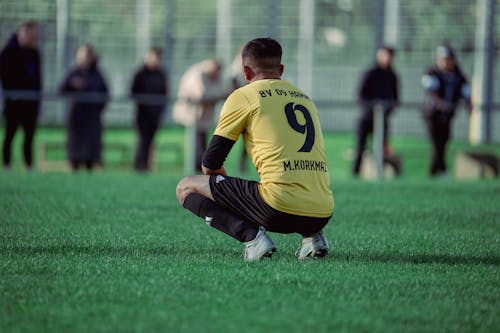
<point>264,53</point>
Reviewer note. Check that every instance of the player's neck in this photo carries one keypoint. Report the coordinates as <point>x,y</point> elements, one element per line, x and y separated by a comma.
<point>265,76</point>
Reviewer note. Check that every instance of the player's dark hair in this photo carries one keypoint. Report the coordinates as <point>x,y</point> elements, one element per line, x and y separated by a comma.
<point>265,52</point>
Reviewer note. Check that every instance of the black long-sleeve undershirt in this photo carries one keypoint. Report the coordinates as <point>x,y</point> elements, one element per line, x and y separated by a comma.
<point>217,151</point>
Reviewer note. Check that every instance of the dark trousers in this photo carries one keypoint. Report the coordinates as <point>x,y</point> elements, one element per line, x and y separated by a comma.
<point>84,137</point>
<point>76,164</point>
<point>239,211</point>
<point>19,114</point>
<point>364,129</point>
<point>147,124</point>
<point>438,128</point>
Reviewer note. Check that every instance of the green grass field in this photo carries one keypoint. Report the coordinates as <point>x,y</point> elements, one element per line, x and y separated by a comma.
<point>113,252</point>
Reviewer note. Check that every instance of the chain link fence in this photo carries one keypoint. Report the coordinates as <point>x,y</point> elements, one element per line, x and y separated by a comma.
<point>344,36</point>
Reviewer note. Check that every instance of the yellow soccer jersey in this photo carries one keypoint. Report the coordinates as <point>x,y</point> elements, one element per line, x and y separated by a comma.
<point>282,135</point>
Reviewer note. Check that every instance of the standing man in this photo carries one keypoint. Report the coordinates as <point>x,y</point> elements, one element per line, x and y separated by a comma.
<point>200,88</point>
<point>20,73</point>
<point>445,85</point>
<point>282,135</point>
<point>150,91</point>
<point>379,84</point>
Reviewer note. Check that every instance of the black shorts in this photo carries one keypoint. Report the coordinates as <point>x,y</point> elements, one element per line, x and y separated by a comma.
<point>243,198</point>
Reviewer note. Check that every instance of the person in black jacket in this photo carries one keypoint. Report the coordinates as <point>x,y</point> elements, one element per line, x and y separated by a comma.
<point>88,93</point>
<point>379,84</point>
<point>150,91</point>
<point>445,85</point>
<point>20,74</point>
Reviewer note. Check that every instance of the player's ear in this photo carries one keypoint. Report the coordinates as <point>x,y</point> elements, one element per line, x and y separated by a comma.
<point>248,73</point>
<point>282,69</point>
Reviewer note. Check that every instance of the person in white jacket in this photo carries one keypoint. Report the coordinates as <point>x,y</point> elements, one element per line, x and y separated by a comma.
<point>200,88</point>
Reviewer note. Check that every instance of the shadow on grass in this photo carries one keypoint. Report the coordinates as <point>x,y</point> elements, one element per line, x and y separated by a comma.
<point>99,250</point>
<point>417,259</point>
<point>174,251</point>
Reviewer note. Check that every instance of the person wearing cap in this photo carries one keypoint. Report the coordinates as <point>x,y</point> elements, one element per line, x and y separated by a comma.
<point>445,85</point>
<point>379,85</point>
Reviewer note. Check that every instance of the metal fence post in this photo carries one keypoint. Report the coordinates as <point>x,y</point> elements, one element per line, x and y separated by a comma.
<point>62,26</point>
<point>169,35</point>
<point>378,139</point>
<point>379,23</point>
<point>480,126</point>
<point>62,48</point>
<point>306,46</point>
<point>272,18</point>
<point>391,22</point>
<point>190,148</point>
<point>143,32</point>
<point>224,27</point>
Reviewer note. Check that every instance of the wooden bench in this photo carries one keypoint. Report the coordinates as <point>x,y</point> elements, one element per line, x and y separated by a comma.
<point>392,167</point>
<point>473,165</point>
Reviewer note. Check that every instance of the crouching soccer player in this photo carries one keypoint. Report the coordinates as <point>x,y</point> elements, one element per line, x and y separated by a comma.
<point>282,135</point>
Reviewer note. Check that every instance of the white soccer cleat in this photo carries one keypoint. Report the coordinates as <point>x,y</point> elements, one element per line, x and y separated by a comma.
<point>315,246</point>
<point>261,246</point>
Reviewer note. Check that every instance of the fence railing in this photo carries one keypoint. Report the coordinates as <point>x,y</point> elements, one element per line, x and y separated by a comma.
<point>336,114</point>
<point>156,99</point>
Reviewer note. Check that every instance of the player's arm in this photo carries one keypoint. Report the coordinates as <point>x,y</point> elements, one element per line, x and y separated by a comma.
<point>231,124</point>
<point>215,155</point>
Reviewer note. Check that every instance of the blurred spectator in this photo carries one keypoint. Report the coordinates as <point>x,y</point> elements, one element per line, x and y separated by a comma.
<point>150,91</point>
<point>20,74</point>
<point>200,88</point>
<point>237,81</point>
<point>236,71</point>
<point>445,85</point>
<point>379,85</point>
<point>88,94</point>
